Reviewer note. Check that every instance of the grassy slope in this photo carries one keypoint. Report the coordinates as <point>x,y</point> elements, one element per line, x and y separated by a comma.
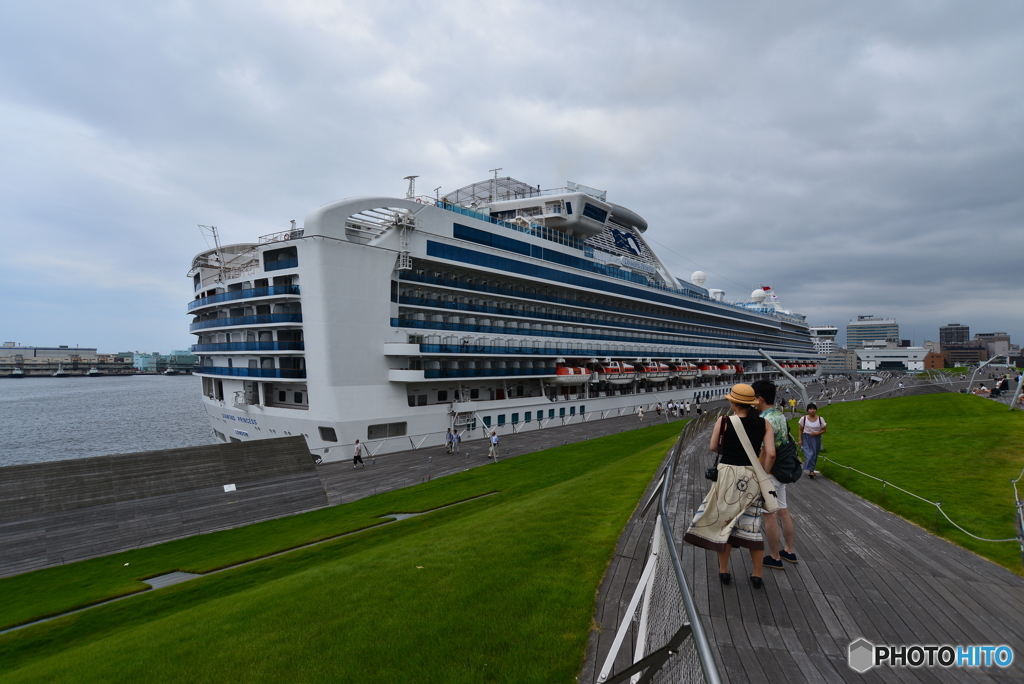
<point>958,449</point>
<point>505,592</point>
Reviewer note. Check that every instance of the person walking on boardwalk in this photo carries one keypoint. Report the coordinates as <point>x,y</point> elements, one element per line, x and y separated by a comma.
<point>765,390</point>
<point>730,514</point>
<point>640,412</point>
<point>812,427</point>
<point>686,408</point>
<point>448,440</point>
<point>493,451</point>
<point>456,441</point>
<point>357,455</point>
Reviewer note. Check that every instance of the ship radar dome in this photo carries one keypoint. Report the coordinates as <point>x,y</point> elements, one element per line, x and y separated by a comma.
<point>698,278</point>
<point>758,295</point>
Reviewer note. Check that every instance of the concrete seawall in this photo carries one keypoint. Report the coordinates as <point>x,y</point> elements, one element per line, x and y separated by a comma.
<point>63,511</point>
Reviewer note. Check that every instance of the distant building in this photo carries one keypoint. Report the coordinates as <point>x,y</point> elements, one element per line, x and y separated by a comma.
<point>891,357</point>
<point>839,361</point>
<point>71,360</point>
<point>824,338</point>
<point>934,346</point>
<point>957,355</point>
<point>934,361</point>
<point>997,343</point>
<point>155,362</point>
<point>870,329</point>
<point>954,333</point>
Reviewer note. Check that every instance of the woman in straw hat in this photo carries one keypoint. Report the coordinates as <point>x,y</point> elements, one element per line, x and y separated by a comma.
<point>730,514</point>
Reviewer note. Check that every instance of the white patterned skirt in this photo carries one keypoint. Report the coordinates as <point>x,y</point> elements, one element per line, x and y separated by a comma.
<point>730,513</point>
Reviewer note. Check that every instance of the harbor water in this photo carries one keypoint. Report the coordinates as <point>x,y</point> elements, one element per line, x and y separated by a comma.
<point>49,419</point>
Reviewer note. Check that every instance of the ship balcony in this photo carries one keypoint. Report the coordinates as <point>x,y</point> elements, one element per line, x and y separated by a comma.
<point>405,375</point>
<point>259,319</point>
<point>283,373</point>
<point>283,345</point>
<point>288,291</point>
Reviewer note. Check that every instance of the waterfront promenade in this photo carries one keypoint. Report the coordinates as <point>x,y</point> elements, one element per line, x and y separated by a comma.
<point>862,572</point>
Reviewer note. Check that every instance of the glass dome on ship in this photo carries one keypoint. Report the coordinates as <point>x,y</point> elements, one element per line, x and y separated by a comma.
<point>498,306</point>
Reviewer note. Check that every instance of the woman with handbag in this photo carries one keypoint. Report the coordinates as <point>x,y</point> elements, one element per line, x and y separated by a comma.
<point>730,514</point>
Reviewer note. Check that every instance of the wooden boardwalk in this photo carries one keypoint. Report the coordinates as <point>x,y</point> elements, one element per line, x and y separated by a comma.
<point>863,572</point>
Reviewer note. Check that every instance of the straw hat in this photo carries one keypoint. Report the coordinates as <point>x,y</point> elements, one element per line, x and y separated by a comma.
<point>742,394</point>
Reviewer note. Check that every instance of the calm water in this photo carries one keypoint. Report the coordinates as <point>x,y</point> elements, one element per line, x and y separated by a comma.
<point>49,419</point>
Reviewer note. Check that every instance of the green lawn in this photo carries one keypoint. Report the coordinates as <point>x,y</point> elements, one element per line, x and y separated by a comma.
<point>959,449</point>
<point>496,589</point>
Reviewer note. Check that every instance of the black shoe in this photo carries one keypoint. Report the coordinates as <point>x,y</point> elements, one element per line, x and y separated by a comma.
<point>724,577</point>
<point>755,582</point>
<point>774,563</point>
<point>787,556</point>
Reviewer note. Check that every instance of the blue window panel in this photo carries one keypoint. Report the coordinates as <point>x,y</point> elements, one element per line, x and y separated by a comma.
<point>561,412</point>
<point>515,418</point>
<point>527,418</point>
<point>596,213</point>
<point>280,265</point>
<point>572,410</point>
<point>501,419</point>
<point>583,409</point>
<point>536,251</point>
<point>487,421</point>
<point>551,413</point>
<point>568,208</point>
<point>499,263</point>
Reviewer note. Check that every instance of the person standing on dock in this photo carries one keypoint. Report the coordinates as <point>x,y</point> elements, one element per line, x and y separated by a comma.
<point>456,440</point>
<point>493,451</point>
<point>357,455</point>
<point>448,440</point>
<point>765,392</point>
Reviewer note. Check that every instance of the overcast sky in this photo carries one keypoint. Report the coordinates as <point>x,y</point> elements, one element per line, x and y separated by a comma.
<point>862,158</point>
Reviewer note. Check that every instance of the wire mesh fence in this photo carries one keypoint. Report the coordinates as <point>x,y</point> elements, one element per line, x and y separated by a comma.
<point>671,645</point>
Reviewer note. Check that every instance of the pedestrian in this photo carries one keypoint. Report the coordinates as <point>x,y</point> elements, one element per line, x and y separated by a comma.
<point>448,439</point>
<point>812,427</point>
<point>456,441</point>
<point>357,455</point>
<point>493,451</point>
<point>765,390</point>
<point>698,409</point>
<point>792,406</point>
<point>640,412</point>
<point>686,407</point>
<point>658,409</point>
<point>730,514</point>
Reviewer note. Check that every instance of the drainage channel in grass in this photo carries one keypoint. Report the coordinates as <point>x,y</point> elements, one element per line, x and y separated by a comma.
<point>177,577</point>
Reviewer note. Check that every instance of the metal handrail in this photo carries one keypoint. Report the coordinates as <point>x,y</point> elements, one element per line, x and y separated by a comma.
<point>700,639</point>
<point>651,664</point>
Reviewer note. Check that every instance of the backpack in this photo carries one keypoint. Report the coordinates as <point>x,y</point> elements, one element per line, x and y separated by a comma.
<point>787,467</point>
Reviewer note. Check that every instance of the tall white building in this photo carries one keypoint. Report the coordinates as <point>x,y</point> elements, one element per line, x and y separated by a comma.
<point>824,338</point>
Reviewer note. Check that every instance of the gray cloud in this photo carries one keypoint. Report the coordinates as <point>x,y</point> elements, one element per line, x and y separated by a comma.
<point>861,158</point>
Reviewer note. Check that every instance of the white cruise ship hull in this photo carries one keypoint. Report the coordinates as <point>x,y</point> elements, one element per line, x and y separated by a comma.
<point>390,320</point>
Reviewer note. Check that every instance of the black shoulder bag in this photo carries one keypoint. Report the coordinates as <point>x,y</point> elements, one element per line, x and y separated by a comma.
<point>712,472</point>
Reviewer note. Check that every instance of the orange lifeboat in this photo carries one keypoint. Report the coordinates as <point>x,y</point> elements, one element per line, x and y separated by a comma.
<point>570,375</point>
<point>739,369</point>
<point>685,371</point>
<point>727,370</point>
<point>710,371</point>
<point>615,373</point>
<point>655,372</point>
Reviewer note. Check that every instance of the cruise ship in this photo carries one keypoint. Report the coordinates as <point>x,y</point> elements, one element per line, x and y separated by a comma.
<point>497,307</point>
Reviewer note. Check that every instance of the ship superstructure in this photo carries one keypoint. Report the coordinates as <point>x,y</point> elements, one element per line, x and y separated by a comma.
<point>499,306</point>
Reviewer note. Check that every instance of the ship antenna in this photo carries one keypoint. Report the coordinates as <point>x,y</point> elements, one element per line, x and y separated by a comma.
<point>411,192</point>
<point>216,243</point>
<point>494,187</point>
